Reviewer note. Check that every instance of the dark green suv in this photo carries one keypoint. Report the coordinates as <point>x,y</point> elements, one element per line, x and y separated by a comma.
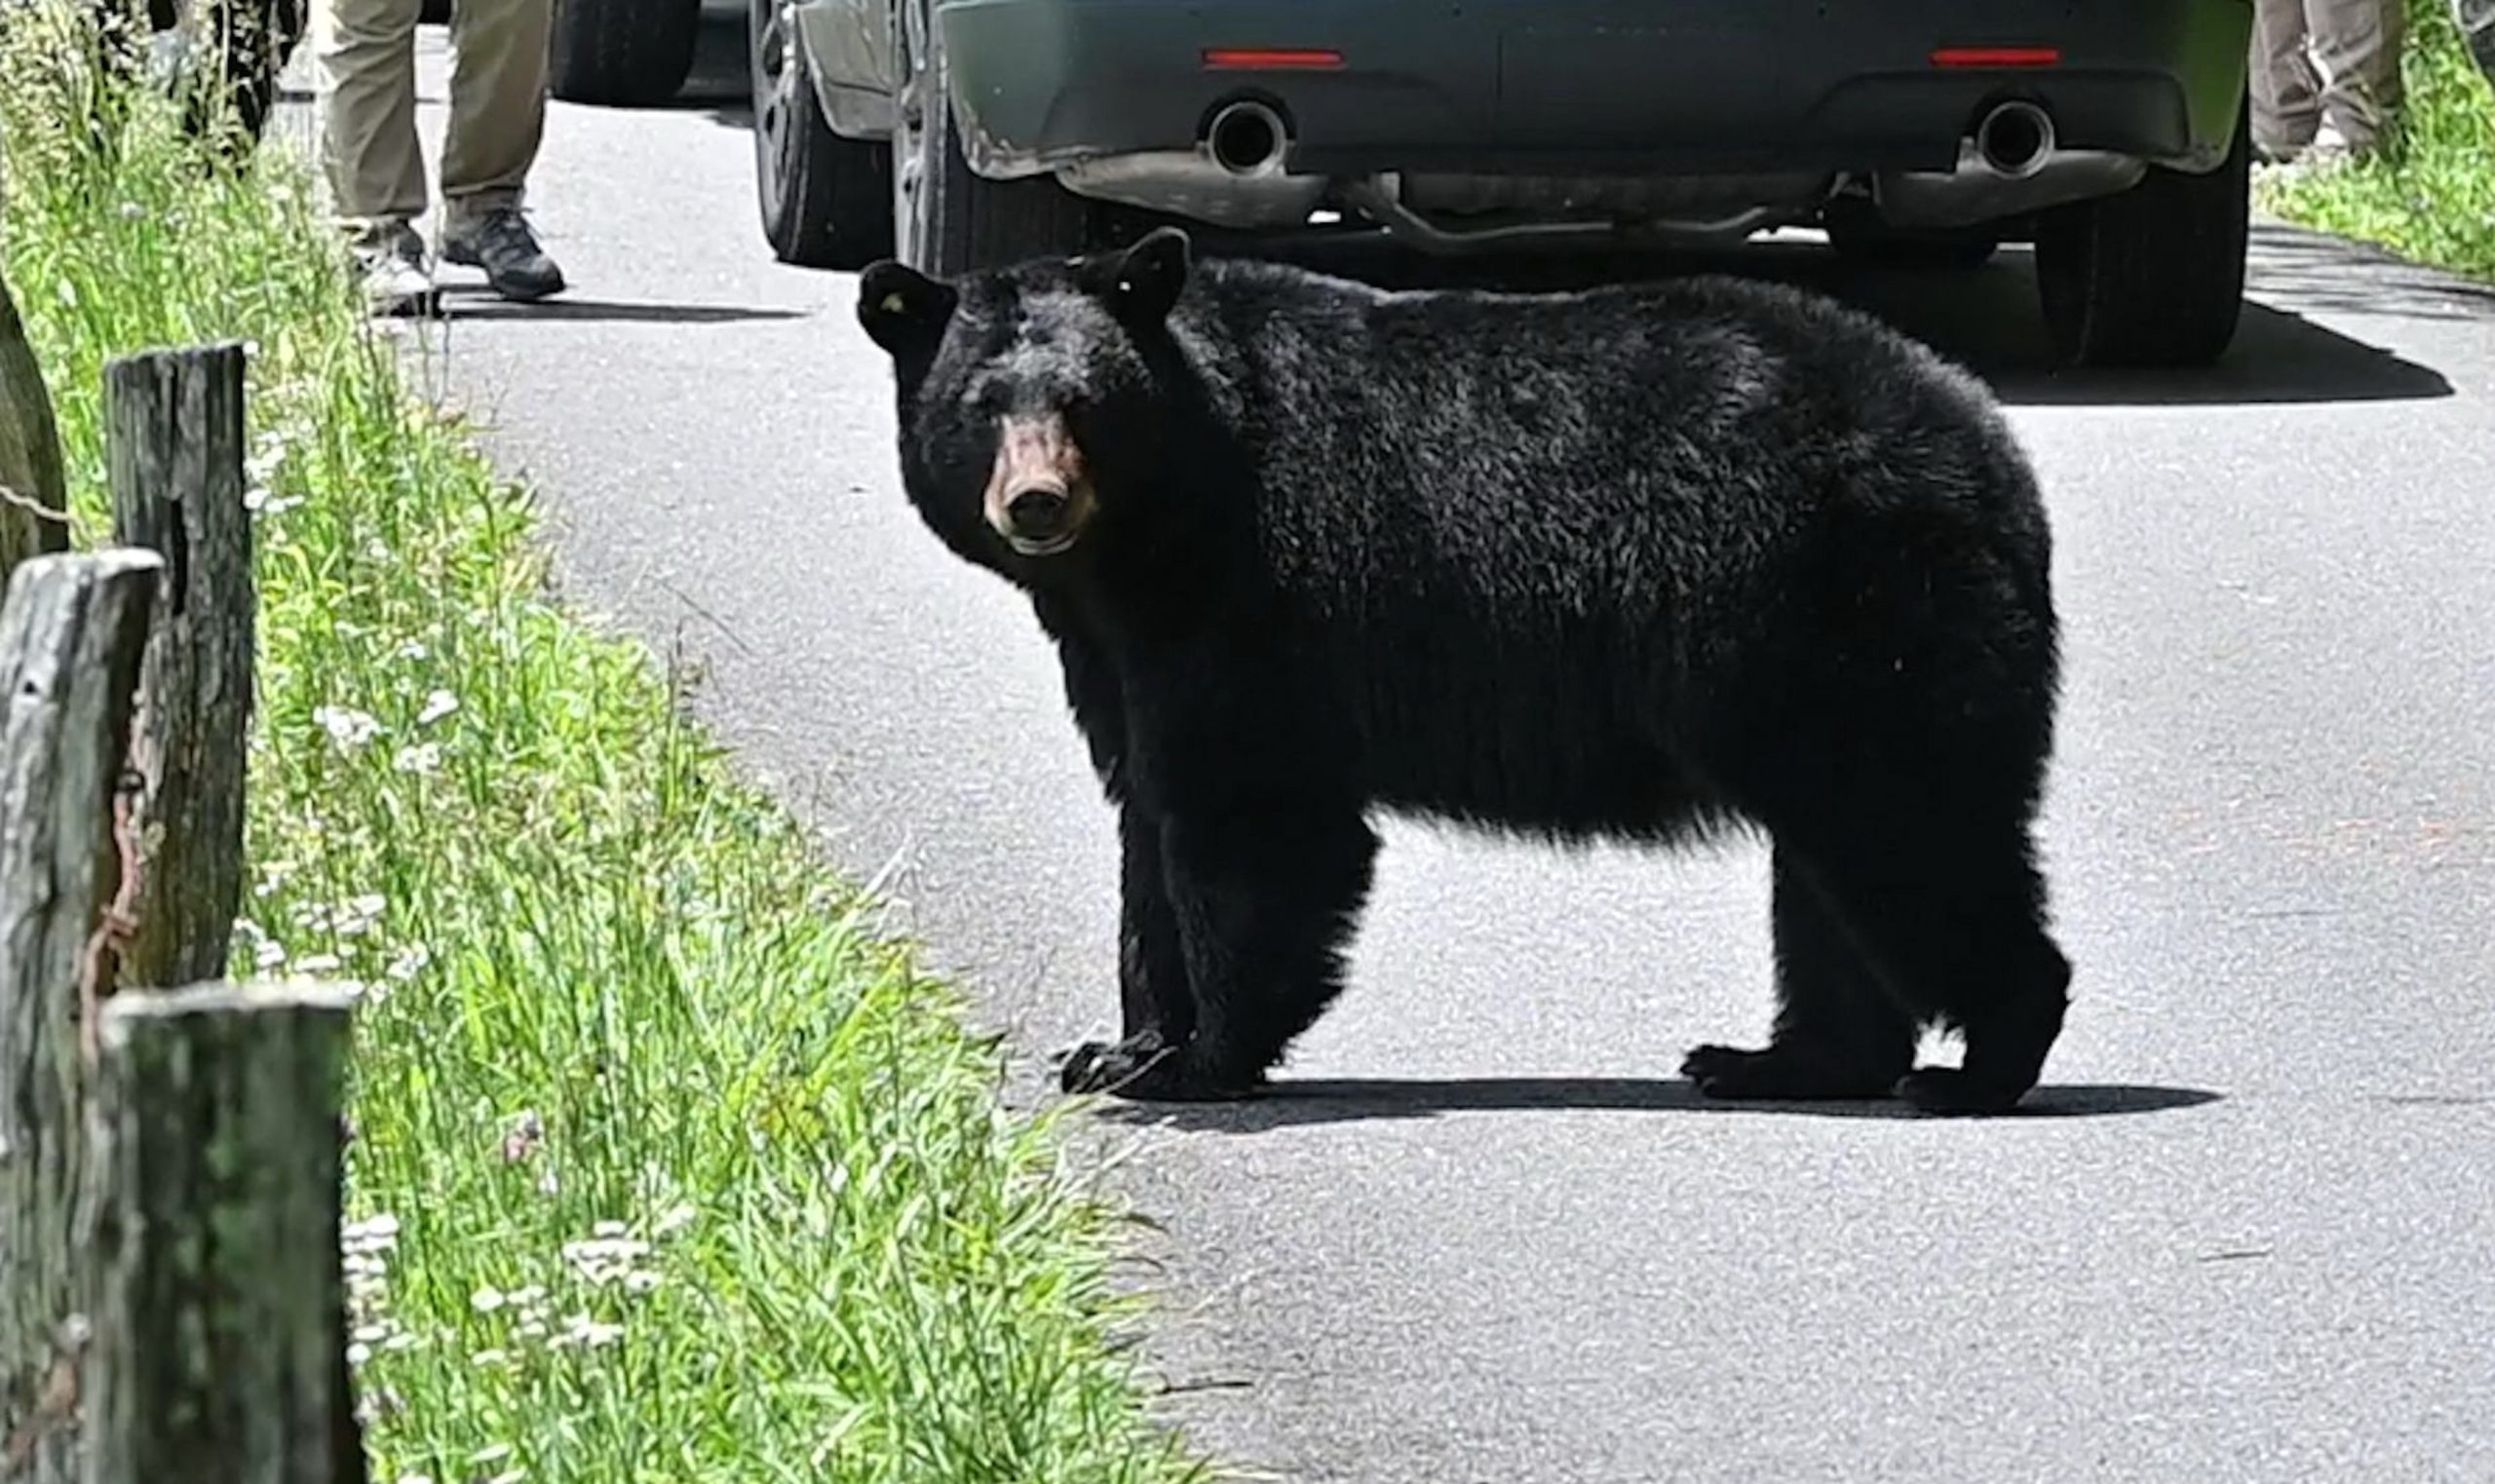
<point>955,133</point>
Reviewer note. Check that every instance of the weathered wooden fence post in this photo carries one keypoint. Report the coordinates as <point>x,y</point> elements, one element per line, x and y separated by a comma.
<point>32,492</point>
<point>173,432</point>
<point>214,1227</point>
<point>71,633</point>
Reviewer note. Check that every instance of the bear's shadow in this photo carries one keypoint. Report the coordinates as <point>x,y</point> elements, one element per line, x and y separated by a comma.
<point>1293,1102</point>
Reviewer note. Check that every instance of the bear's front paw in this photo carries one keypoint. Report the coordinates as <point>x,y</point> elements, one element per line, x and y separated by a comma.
<point>1147,1069</point>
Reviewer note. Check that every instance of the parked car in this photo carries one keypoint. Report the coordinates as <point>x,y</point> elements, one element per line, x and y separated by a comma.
<point>956,134</point>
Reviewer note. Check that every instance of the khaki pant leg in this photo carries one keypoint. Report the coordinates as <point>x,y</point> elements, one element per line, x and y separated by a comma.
<point>2286,97</point>
<point>499,52</point>
<point>2356,46</point>
<point>364,77</point>
<point>2477,22</point>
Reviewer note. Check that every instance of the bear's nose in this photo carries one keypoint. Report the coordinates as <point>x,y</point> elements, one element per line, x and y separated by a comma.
<point>1037,513</point>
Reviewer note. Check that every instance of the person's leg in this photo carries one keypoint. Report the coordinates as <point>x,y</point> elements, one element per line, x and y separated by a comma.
<point>497,122</point>
<point>2287,101</point>
<point>2476,20</point>
<point>364,77</point>
<point>2356,47</point>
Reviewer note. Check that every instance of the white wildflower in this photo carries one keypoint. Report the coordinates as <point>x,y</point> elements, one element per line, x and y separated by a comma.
<point>676,1220</point>
<point>414,648</point>
<point>641,1282</point>
<point>269,955</point>
<point>319,964</point>
<point>608,1229</point>
<point>438,706</point>
<point>422,759</point>
<point>484,1359</point>
<point>348,728</point>
<point>359,1352</point>
<point>485,1300</point>
<point>411,961</point>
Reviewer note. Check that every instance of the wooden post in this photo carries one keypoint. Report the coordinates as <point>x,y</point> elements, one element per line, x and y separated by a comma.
<point>33,493</point>
<point>71,633</point>
<point>217,1297</point>
<point>174,429</point>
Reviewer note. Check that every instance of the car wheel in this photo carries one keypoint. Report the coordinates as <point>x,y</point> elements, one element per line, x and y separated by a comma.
<point>2154,276</point>
<point>1860,236</point>
<point>623,52</point>
<point>946,219</point>
<point>826,201</point>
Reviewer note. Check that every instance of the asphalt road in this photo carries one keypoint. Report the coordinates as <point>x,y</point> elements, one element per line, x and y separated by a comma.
<point>2251,1234</point>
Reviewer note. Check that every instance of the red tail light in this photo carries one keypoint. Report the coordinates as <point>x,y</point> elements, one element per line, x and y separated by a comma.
<point>1271,60</point>
<point>1996,57</point>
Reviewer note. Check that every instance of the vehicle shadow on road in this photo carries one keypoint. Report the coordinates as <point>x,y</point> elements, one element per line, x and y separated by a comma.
<point>483,304</point>
<point>1292,1103</point>
<point>1987,319</point>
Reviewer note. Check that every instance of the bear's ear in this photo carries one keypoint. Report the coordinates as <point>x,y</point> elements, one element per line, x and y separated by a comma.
<point>901,309</point>
<point>1144,282</point>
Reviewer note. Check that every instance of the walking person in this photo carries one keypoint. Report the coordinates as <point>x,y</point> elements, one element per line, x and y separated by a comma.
<point>2476,20</point>
<point>2325,77</point>
<point>364,57</point>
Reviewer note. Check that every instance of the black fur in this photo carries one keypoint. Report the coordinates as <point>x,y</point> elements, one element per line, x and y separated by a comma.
<point>1639,562</point>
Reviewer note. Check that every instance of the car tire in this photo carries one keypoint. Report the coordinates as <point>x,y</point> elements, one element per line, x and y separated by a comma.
<point>825,201</point>
<point>947,219</point>
<point>1861,236</point>
<point>625,53</point>
<point>2152,277</point>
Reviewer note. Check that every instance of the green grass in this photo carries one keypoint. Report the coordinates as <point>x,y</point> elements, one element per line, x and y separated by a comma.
<point>2430,197</point>
<point>667,1166</point>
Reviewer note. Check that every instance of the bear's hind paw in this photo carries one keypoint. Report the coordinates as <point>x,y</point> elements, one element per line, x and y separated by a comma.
<point>1782,1074</point>
<point>1948,1090</point>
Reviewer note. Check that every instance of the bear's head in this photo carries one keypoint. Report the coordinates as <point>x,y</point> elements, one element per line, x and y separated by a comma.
<point>1031,397</point>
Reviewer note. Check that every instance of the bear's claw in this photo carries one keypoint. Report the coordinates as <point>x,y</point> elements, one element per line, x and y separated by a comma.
<point>1146,1069</point>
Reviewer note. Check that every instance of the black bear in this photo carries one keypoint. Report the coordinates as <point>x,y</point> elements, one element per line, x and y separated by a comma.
<point>1631,563</point>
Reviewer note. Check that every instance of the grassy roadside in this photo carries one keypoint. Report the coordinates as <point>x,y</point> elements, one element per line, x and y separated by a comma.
<point>667,1167</point>
<point>2431,198</point>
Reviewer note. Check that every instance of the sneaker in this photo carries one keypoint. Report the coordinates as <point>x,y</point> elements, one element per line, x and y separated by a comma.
<point>499,241</point>
<point>397,283</point>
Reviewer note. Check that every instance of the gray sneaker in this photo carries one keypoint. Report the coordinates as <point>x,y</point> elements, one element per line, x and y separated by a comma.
<point>395,280</point>
<point>499,241</point>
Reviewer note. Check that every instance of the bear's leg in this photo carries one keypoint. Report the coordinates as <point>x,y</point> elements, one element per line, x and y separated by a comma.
<point>1262,901</point>
<point>1156,1004</point>
<point>1953,918</point>
<point>1839,1033</point>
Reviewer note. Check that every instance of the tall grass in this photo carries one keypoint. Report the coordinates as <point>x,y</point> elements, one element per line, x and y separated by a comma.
<point>667,1167</point>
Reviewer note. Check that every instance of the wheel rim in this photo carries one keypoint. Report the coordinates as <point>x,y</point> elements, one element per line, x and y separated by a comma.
<point>776,78</point>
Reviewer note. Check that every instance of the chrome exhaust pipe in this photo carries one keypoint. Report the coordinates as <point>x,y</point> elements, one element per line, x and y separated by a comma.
<point>1247,138</point>
<point>2015,139</point>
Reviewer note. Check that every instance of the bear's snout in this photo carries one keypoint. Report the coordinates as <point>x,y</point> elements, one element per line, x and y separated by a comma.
<point>1038,494</point>
<point>1036,515</point>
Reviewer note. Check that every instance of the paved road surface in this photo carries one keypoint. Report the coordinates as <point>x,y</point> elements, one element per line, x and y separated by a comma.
<point>1503,1245</point>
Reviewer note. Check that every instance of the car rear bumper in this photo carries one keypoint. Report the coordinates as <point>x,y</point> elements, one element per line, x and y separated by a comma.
<point>1647,86</point>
